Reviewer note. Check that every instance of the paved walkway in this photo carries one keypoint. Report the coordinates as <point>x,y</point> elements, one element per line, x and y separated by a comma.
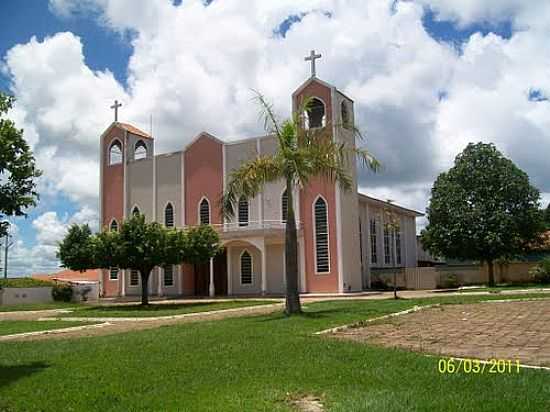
<point>489,330</point>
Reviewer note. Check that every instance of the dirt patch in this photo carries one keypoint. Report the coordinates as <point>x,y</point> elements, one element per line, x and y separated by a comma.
<point>308,403</point>
<point>503,330</point>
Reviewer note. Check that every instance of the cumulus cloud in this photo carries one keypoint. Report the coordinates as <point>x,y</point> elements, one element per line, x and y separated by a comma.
<point>419,101</point>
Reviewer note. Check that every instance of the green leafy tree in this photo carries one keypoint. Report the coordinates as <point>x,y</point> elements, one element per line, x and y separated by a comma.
<point>137,246</point>
<point>301,155</point>
<point>483,208</point>
<point>18,172</point>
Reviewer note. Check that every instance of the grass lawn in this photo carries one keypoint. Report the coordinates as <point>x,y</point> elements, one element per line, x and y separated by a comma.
<point>38,306</point>
<point>164,309</point>
<point>253,364</point>
<point>9,327</point>
<point>505,286</point>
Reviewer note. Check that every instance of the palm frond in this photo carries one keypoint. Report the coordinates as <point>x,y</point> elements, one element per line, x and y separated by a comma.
<point>248,180</point>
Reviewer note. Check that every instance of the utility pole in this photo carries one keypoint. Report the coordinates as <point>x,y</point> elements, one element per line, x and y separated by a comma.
<point>7,245</point>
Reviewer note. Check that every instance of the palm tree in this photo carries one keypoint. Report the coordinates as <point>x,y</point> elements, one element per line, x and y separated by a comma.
<point>301,155</point>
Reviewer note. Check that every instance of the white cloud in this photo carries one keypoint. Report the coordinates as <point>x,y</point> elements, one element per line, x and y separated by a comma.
<point>193,66</point>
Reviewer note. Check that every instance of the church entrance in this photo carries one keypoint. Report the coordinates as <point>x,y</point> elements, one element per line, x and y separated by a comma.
<point>202,277</point>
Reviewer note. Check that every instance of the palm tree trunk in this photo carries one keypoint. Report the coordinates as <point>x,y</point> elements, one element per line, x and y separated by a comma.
<point>291,256</point>
<point>145,272</point>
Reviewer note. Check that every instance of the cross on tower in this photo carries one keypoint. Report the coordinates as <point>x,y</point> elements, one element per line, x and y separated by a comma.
<point>116,106</point>
<point>312,57</point>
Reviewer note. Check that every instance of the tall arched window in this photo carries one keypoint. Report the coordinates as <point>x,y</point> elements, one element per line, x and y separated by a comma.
<point>169,215</point>
<point>243,211</point>
<point>140,150</point>
<point>114,226</point>
<point>135,211</point>
<point>115,153</point>
<point>204,212</point>
<point>246,268</point>
<point>315,113</point>
<point>321,236</point>
<point>284,206</point>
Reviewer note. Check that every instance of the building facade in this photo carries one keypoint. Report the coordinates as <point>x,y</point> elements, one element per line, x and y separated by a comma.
<point>341,234</point>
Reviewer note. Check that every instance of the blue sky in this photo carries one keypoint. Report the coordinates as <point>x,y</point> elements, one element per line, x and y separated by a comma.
<point>431,71</point>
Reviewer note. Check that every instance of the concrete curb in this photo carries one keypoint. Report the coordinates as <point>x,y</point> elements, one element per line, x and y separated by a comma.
<point>365,322</point>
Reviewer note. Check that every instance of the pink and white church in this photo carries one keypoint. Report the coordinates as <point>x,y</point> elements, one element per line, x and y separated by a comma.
<point>342,236</point>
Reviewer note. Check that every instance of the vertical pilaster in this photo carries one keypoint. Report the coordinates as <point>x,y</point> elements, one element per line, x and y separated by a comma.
<point>212,288</point>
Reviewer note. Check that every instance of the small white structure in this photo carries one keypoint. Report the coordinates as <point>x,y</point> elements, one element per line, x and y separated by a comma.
<point>16,296</point>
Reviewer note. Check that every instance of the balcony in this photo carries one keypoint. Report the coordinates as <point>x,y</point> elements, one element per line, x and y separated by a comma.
<point>253,228</point>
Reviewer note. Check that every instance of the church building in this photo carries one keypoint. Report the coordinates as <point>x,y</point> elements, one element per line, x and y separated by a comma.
<point>343,237</point>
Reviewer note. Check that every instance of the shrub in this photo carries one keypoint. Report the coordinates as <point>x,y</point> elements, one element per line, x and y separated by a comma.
<point>541,272</point>
<point>24,283</point>
<point>62,292</point>
<point>448,281</point>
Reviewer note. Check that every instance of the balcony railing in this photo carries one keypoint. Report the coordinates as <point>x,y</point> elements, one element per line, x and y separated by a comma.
<point>252,225</point>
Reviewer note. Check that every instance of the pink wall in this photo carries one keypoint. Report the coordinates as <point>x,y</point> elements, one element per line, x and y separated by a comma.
<point>324,282</point>
<point>112,199</point>
<point>203,177</point>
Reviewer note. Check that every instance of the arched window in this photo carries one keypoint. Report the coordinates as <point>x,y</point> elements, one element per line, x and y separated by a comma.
<point>114,226</point>
<point>284,206</point>
<point>169,275</point>
<point>346,121</point>
<point>321,236</point>
<point>140,150</point>
<point>169,215</point>
<point>115,153</point>
<point>243,211</point>
<point>113,274</point>
<point>134,277</point>
<point>204,212</point>
<point>246,268</point>
<point>135,211</point>
<point>315,114</point>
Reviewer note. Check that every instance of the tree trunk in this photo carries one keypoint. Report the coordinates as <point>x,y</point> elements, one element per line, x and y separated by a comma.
<point>291,256</point>
<point>490,265</point>
<point>145,285</point>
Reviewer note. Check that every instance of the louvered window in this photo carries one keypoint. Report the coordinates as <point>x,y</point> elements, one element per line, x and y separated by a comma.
<point>246,268</point>
<point>284,206</point>
<point>243,211</point>
<point>168,275</point>
<point>398,247</point>
<point>134,277</point>
<point>373,248</point>
<point>204,212</point>
<point>169,215</point>
<point>115,153</point>
<point>387,247</point>
<point>321,236</point>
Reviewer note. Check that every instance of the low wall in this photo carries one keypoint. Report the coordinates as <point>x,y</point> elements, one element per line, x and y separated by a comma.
<point>81,286</point>
<point>15,296</point>
<point>445,276</point>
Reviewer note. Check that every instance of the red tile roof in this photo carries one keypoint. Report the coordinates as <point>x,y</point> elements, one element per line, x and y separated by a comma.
<point>134,130</point>
<point>67,274</point>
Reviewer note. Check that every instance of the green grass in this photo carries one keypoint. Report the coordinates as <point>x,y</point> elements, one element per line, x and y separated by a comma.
<point>23,283</point>
<point>165,309</point>
<point>506,286</point>
<point>253,364</point>
<point>9,327</point>
<point>38,306</point>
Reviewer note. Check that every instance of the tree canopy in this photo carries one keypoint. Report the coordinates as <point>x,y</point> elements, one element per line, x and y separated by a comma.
<point>18,171</point>
<point>483,208</point>
<point>137,245</point>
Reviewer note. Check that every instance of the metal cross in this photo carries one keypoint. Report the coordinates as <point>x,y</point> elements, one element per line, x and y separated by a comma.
<point>116,106</point>
<point>312,57</point>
